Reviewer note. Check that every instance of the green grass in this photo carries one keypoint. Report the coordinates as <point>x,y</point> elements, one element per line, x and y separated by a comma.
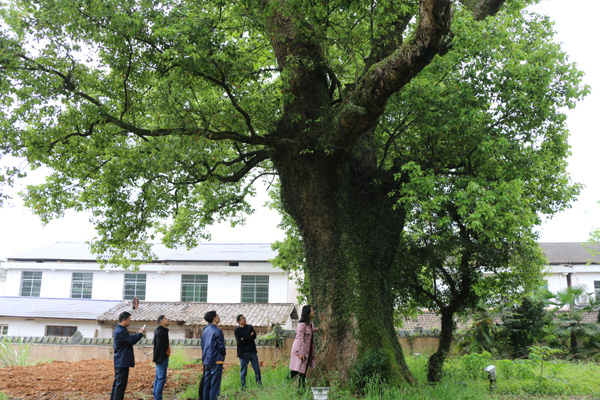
<point>178,359</point>
<point>464,380</point>
<point>14,353</point>
<point>3,396</point>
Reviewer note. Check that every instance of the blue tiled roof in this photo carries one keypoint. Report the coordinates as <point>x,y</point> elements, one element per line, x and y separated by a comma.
<point>42,307</point>
<point>79,251</point>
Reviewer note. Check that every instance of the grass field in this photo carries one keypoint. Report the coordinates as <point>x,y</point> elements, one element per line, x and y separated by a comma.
<point>464,380</point>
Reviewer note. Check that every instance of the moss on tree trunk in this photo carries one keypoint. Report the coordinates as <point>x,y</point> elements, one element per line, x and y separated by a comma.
<point>351,236</point>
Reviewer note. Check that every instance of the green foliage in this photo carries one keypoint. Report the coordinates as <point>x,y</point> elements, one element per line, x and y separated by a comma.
<point>160,117</point>
<point>480,337</point>
<point>179,359</point>
<point>14,353</point>
<point>541,354</point>
<point>583,338</point>
<point>370,370</point>
<point>473,364</point>
<point>276,335</point>
<point>290,251</point>
<point>516,379</point>
<point>526,323</point>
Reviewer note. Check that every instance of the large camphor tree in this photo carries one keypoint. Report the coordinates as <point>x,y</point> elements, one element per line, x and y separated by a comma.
<point>159,116</point>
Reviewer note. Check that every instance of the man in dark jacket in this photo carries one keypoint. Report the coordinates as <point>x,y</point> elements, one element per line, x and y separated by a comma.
<point>123,355</point>
<point>246,350</point>
<point>162,351</point>
<point>213,356</point>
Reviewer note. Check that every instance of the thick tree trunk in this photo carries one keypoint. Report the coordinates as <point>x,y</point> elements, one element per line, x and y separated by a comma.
<point>351,235</point>
<point>437,359</point>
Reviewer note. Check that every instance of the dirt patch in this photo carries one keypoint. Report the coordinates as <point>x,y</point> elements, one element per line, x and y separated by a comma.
<point>88,379</point>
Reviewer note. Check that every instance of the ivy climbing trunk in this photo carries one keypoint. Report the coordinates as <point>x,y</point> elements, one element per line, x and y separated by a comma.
<point>351,233</point>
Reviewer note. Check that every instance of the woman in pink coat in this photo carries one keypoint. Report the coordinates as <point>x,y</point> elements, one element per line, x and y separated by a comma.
<point>303,349</point>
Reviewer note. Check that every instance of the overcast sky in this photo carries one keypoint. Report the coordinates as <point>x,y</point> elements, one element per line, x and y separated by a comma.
<point>576,25</point>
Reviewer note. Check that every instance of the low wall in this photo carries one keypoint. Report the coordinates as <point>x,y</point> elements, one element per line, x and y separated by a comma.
<point>44,349</point>
<point>421,344</point>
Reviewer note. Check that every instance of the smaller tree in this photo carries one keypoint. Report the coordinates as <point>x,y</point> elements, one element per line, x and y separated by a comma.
<point>525,324</point>
<point>569,317</point>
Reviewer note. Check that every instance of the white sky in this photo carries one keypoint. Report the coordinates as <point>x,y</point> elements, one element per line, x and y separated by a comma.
<point>576,25</point>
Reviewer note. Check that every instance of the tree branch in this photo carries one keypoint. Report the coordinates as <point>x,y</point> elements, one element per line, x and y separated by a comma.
<point>70,86</point>
<point>367,101</point>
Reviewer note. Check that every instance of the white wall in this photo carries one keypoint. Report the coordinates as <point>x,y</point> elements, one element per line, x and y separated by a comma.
<point>2,280</point>
<point>37,326</point>
<point>163,281</point>
<point>13,282</point>
<point>580,275</point>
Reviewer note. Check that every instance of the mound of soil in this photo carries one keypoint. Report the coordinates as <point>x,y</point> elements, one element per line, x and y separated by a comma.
<point>88,379</point>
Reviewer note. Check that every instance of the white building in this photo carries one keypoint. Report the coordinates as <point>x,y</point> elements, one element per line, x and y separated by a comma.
<point>572,264</point>
<point>209,273</point>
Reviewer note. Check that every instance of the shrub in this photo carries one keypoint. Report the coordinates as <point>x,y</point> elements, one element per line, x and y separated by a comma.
<point>526,324</point>
<point>14,353</point>
<point>475,363</point>
<point>369,370</point>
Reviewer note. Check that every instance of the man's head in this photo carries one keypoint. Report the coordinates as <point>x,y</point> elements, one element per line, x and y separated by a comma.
<point>212,317</point>
<point>241,320</point>
<point>125,319</point>
<point>163,321</point>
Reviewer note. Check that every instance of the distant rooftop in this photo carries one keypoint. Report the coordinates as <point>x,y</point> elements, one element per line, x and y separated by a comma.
<point>571,253</point>
<point>257,314</point>
<point>79,251</point>
<point>42,307</point>
<point>557,253</point>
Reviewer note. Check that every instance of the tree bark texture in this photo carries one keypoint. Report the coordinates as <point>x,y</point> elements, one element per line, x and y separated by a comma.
<point>351,234</point>
<point>436,361</point>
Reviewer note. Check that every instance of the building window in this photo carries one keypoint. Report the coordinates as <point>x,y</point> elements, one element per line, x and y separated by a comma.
<point>81,286</point>
<point>135,286</point>
<point>3,330</point>
<point>194,288</point>
<point>66,331</point>
<point>31,282</point>
<point>597,288</point>
<point>255,289</point>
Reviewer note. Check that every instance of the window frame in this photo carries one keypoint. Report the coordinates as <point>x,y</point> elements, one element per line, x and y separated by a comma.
<point>252,282</point>
<point>4,330</point>
<point>140,279</point>
<point>33,280</point>
<point>83,285</point>
<point>62,328</point>
<point>198,287</point>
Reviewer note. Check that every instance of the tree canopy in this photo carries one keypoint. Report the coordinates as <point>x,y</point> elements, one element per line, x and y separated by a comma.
<point>393,128</point>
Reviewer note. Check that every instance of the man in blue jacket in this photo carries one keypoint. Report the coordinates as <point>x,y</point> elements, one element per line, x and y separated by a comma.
<point>124,359</point>
<point>213,356</point>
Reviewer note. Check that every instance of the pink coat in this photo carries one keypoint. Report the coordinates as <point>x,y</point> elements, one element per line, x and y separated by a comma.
<point>303,345</point>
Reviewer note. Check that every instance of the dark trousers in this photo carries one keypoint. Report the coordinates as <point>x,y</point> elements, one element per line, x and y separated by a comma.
<point>160,379</point>
<point>201,386</point>
<point>120,383</point>
<point>212,381</point>
<point>251,358</point>
<point>302,377</point>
